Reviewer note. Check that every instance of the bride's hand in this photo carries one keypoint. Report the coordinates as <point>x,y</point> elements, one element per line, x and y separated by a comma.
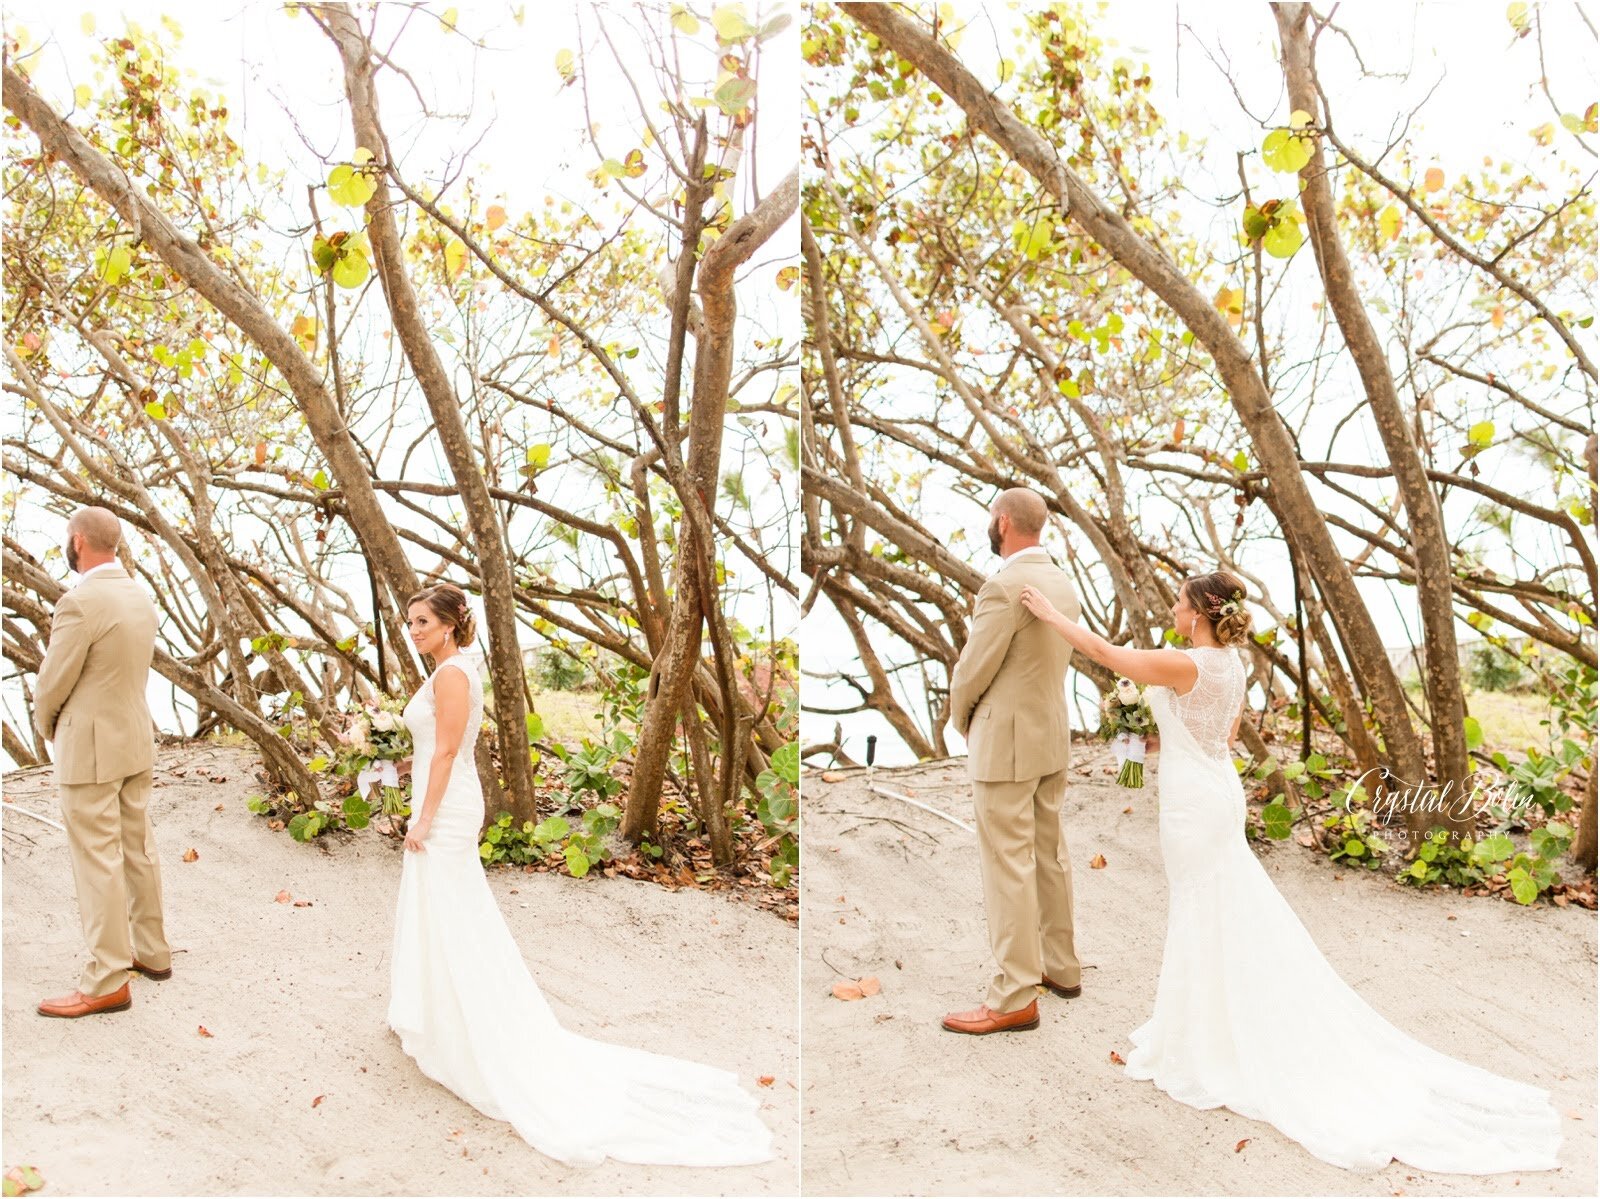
<point>1034,601</point>
<point>416,835</point>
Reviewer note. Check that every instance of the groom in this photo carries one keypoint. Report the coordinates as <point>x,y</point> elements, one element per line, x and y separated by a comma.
<point>89,700</point>
<point>1008,699</point>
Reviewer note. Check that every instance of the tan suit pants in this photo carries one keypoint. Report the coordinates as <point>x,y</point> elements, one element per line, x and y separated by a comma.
<point>118,879</point>
<point>1027,887</point>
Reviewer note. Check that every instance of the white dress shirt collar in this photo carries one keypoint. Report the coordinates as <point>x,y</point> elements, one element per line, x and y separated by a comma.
<point>1027,551</point>
<point>94,570</point>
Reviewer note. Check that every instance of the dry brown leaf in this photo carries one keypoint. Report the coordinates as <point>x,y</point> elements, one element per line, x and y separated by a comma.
<point>204,1031</point>
<point>1240,1146</point>
<point>847,990</point>
<point>1128,811</point>
<point>1098,862</point>
<point>219,807</point>
<point>832,776</point>
<point>766,1080</point>
<point>282,897</point>
<point>1116,1059</point>
<point>870,985</point>
<point>315,1102</point>
<point>302,903</point>
<point>191,855</point>
<point>275,825</point>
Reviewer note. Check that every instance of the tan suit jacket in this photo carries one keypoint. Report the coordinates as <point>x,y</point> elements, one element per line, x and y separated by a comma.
<point>90,696</point>
<point>1008,692</point>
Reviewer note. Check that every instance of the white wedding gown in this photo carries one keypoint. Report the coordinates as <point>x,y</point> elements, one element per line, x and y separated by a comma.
<point>468,1011</point>
<point>1250,1016</point>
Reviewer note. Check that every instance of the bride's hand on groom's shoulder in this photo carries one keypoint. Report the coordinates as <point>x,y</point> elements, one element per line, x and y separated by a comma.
<point>1034,601</point>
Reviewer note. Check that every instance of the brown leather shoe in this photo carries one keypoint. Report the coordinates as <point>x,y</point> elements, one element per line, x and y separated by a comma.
<point>70,1007</point>
<point>140,968</point>
<point>984,1020</point>
<point>1064,992</point>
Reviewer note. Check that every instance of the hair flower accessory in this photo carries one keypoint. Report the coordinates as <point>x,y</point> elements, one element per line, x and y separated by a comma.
<point>1233,606</point>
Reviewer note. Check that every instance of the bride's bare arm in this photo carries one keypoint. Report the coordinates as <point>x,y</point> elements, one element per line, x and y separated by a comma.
<point>1160,667</point>
<point>450,707</point>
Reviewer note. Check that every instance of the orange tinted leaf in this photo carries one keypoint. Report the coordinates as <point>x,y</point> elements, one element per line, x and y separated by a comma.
<point>204,1031</point>
<point>282,897</point>
<point>191,855</point>
<point>1433,180</point>
<point>494,217</point>
<point>847,991</point>
<point>1098,862</point>
<point>1116,1059</point>
<point>766,1080</point>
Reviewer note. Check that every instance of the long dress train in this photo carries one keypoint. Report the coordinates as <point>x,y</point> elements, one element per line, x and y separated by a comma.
<point>1250,1016</point>
<point>467,1009</point>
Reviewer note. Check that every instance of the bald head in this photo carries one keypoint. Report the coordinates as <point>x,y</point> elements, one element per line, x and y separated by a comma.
<point>1016,520</point>
<point>92,538</point>
<point>1026,510</point>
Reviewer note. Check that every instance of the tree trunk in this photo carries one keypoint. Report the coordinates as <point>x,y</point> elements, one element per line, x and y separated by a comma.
<point>1441,668</point>
<point>1291,501</point>
<point>488,539</point>
<point>1584,844</point>
<point>673,670</point>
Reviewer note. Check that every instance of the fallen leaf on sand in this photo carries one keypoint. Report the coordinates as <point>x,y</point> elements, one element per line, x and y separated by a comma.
<point>204,1031</point>
<point>302,903</point>
<point>282,897</point>
<point>315,1102</point>
<point>1240,1146</point>
<point>1574,1114</point>
<point>191,855</point>
<point>1098,862</point>
<point>1116,1059</point>
<point>858,988</point>
<point>766,1080</point>
<point>275,825</point>
<point>832,776</point>
<point>1128,811</point>
<point>20,1180</point>
<point>219,807</point>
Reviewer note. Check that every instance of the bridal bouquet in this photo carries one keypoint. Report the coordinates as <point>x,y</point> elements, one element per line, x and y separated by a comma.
<point>1125,721</point>
<point>380,740</point>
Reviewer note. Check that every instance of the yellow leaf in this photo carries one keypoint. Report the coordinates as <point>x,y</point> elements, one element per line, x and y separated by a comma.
<point>455,256</point>
<point>82,95</point>
<point>86,23</point>
<point>449,18</point>
<point>1389,223</point>
<point>1497,318</point>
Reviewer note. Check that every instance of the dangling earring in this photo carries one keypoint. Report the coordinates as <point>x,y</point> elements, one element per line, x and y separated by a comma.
<point>1195,620</point>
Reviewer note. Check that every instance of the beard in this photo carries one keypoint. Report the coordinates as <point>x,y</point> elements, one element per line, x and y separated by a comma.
<point>72,555</point>
<point>994,537</point>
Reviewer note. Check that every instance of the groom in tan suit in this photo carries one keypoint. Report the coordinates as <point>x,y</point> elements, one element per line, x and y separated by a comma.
<point>89,700</point>
<point>1008,699</point>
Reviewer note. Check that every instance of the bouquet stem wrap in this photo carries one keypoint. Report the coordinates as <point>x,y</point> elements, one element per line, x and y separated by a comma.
<point>1129,750</point>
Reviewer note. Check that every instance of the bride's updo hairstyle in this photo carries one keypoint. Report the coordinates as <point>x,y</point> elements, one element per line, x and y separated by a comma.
<point>1220,597</point>
<point>449,603</point>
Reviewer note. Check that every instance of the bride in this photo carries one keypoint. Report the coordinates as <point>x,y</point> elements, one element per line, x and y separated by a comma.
<point>1239,967</point>
<point>462,999</point>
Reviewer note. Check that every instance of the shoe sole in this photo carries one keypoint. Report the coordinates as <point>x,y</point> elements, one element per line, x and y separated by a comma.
<point>116,1007</point>
<point>1064,992</point>
<point>153,975</point>
<point>984,1032</point>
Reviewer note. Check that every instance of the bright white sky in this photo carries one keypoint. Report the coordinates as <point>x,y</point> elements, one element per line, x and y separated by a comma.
<point>1485,100</point>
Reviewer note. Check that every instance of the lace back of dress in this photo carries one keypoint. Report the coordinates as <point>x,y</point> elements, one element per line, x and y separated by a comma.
<point>1209,707</point>
<point>474,699</point>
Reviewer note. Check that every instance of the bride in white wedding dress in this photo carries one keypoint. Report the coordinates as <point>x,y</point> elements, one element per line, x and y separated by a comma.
<point>461,998</point>
<point>1248,1013</point>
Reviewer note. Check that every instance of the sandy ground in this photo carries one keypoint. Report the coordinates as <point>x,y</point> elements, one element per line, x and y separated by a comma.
<point>139,1103</point>
<point>893,1105</point>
